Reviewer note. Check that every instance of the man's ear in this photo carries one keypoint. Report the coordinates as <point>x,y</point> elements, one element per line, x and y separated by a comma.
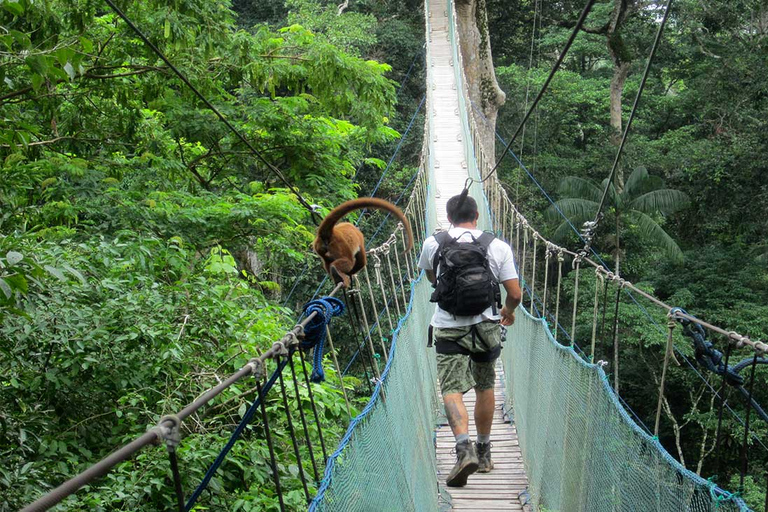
<point>477,215</point>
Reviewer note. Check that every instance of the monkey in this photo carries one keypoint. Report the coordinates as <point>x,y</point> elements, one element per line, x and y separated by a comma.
<point>342,246</point>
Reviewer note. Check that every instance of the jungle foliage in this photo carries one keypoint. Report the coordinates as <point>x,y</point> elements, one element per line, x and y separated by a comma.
<point>145,253</point>
<point>701,131</point>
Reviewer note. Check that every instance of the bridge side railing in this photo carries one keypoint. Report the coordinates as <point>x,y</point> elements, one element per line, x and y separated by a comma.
<point>545,378</point>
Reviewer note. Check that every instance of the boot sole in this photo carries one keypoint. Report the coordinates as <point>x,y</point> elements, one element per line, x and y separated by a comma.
<point>460,480</point>
<point>486,469</point>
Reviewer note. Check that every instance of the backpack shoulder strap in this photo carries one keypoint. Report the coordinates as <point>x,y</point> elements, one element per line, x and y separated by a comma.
<point>442,238</point>
<point>485,239</point>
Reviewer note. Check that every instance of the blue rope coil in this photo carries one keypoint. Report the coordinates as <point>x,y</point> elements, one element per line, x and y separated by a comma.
<point>314,332</point>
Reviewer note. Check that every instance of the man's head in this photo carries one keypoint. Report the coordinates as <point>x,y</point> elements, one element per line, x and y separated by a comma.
<point>461,210</point>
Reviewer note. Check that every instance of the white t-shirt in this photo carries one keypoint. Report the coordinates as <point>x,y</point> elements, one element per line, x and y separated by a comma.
<point>501,262</point>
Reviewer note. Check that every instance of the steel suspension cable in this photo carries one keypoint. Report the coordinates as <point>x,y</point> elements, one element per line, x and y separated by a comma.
<point>313,404</point>
<point>292,431</point>
<point>213,109</point>
<point>744,456</point>
<point>592,227</point>
<point>268,435</point>
<point>544,87</point>
<point>303,418</point>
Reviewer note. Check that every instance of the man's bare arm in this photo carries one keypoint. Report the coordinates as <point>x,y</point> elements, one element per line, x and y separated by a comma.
<point>514,296</point>
<point>430,275</point>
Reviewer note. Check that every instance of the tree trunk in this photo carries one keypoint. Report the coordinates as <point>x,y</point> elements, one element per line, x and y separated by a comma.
<point>622,60</point>
<point>484,90</point>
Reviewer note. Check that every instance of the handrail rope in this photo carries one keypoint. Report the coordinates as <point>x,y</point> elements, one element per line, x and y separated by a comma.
<point>737,338</point>
<point>544,87</point>
<point>213,109</point>
<point>103,466</point>
<point>591,228</point>
<point>740,340</point>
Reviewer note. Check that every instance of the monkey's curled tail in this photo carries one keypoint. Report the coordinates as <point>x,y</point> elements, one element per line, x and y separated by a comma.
<point>326,227</point>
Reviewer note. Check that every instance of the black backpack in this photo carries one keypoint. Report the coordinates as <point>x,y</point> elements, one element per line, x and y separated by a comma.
<point>465,286</point>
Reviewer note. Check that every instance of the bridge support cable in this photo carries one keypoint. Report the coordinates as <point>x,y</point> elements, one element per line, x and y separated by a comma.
<point>745,442</point>
<point>590,228</point>
<point>261,397</point>
<point>302,417</point>
<point>277,172</point>
<point>313,405</point>
<point>555,68</point>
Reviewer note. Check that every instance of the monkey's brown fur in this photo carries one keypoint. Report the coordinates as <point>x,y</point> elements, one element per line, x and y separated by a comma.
<point>342,246</point>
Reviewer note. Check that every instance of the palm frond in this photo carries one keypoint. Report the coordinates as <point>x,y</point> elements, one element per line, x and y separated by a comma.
<point>635,180</point>
<point>576,209</point>
<point>573,186</point>
<point>563,232</point>
<point>655,234</point>
<point>665,201</point>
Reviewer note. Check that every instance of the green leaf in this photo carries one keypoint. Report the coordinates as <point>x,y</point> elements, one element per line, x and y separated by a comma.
<point>13,7</point>
<point>5,288</point>
<point>75,273</point>
<point>37,81</point>
<point>167,29</point>
<point>87,44</point>
<point>13,257</point>
<point>58,274</point>
<point>70,70</point>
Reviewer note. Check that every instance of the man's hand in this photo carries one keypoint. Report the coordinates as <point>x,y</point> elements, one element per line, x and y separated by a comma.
<point>507,316</point>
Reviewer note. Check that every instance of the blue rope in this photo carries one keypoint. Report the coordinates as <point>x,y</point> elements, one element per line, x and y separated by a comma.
<point>235,435</point>
<point>314,332</point>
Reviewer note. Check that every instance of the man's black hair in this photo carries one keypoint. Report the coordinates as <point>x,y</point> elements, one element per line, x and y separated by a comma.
<point>461,208</point>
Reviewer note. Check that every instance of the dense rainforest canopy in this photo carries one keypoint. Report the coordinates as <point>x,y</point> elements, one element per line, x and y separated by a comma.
<point>145,253</point>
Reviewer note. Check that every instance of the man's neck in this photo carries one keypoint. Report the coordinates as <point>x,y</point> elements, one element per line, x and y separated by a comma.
<point>466,225</point>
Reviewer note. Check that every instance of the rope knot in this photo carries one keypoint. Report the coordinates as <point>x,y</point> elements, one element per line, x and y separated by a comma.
<point>170,434</point>
<point>257,368</point>
<point>279,349</point>
<point>316,329</point>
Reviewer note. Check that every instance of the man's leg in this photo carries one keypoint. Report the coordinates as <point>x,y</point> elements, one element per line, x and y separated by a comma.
<point>455,379</point>
<point>485,405</point>
<point>457,415</point>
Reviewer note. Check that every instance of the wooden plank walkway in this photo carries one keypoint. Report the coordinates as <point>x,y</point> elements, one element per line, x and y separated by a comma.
<point>499,489</point>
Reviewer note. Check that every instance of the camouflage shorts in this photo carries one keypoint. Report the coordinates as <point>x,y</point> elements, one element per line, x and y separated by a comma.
<point>458,373</point>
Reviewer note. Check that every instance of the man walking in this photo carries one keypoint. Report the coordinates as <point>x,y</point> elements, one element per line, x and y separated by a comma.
<point>466,267</point>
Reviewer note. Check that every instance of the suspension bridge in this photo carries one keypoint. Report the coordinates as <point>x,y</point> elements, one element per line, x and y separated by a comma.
<point>563,439</point>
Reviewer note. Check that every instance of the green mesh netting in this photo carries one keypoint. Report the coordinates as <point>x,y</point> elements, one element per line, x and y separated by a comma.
<point>386,462</point>
<point>581,450</point>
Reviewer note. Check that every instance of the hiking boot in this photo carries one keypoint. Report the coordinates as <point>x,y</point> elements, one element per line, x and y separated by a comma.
<point>466,464</point>
<point>485,464</point>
